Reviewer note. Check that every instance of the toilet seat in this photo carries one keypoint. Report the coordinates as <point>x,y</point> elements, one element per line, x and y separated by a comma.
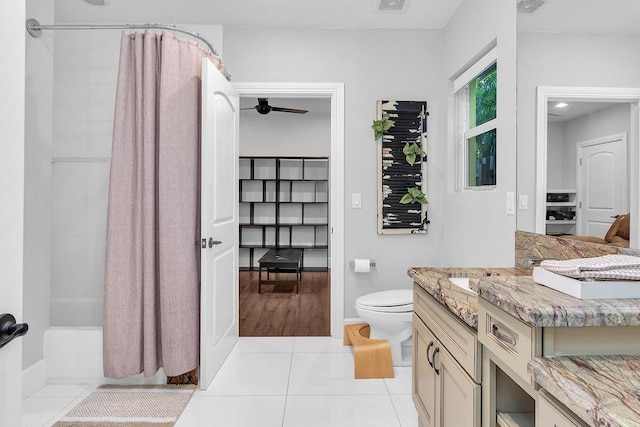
<point>395,301</point>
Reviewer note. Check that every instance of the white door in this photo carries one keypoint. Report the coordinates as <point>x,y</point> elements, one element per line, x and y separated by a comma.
<point>11,353</point>
<point>601,184</point>
<point>12,125</point>
<point>219,219</point>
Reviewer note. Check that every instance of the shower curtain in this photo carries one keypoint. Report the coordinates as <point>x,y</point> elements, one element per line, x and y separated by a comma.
<point>151,291</point>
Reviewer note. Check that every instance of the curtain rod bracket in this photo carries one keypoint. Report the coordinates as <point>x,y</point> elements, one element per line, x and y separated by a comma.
<point>33,27</point>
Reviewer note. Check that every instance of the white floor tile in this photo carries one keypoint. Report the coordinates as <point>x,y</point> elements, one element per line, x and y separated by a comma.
<point>262,374</point>
<point>338,411</point>
<point>401,382</point>
<point>329,373</point>
<point>233,411</point>
<point>405,409</point>
<point>264,345</point>
<point>305,381</point>
<point>320,345</point>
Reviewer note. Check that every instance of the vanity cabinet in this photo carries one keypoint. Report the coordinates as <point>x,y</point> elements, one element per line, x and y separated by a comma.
<point>551,414</point>
<point>511,397</point>
<point>445,393</point>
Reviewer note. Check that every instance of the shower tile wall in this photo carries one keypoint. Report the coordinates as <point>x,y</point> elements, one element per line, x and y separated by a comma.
<point>85,73</point>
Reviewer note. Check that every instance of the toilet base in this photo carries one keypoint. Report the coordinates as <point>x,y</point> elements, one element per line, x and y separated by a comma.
<point>372,358</point>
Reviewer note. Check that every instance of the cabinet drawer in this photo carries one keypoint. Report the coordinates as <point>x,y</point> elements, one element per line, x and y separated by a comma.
<point>511,341</point>
<point>551,414</point>
<point>459,340</point>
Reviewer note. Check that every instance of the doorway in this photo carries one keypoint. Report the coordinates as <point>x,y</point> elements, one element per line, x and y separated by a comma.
<point>629,96</point>
<point>333,279</point>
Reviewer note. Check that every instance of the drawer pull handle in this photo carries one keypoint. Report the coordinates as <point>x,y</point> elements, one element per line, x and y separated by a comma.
<point>429,349</point>
<point>501,336</point>
<point>436,351</point>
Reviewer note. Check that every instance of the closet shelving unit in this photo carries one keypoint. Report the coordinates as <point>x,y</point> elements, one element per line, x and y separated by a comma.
<point>284,204</point>
<point>561,205</point>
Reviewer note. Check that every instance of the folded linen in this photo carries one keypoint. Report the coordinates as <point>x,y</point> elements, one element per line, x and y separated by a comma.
<point>606,267</point>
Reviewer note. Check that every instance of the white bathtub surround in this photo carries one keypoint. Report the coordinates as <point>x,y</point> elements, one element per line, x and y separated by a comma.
<point>74,356</point>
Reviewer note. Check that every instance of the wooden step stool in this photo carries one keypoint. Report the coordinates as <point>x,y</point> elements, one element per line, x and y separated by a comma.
<point>372,358</point>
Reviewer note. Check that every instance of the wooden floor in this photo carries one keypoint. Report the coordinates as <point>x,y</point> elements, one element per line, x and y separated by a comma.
<point>279,311</point>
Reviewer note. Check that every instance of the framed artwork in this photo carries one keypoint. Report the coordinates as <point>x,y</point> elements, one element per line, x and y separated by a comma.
<point>401,133</point>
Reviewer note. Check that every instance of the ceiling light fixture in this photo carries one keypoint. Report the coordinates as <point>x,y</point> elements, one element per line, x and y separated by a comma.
<point>561,105</point>
<point>96,2</point>
<point>391,4</point>
<point>529,6</point>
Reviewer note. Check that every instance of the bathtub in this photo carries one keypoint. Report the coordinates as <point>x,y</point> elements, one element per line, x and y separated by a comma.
<point>73,355</point>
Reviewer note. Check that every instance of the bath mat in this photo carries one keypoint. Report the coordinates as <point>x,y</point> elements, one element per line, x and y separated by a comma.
<point>130,406</point>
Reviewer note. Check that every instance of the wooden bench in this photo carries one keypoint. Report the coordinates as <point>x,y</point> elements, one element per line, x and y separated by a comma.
<point>372,358</point>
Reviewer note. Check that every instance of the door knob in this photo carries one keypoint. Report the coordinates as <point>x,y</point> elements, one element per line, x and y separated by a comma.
<point>9,329</point>
<point>213,242</point>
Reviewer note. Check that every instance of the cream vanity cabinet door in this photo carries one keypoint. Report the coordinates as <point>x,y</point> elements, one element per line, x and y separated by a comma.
<point>424,376</point>
<point>459,396</point>
<point>550,414</point>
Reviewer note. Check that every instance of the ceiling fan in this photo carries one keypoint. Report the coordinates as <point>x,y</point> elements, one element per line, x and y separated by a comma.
<point>263,107</point>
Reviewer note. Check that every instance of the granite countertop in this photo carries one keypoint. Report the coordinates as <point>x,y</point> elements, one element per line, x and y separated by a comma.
<point>540,306</point>
<point>460,302</point>
<point>602,390</point>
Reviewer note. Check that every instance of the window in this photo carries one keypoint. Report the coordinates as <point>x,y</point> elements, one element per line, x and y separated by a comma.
<point>475,102</point>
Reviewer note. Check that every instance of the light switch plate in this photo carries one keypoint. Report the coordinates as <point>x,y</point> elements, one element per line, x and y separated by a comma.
<point>523,201</point>
<point>511,202</point>
<point>356,200</point>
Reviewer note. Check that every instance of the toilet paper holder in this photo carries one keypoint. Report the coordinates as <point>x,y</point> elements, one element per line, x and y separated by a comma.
<point>352,263</point>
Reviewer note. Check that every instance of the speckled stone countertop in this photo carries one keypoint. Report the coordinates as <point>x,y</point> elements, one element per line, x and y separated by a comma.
<point>539,306</point>
<point>460,302</point>
<point>602,390</point>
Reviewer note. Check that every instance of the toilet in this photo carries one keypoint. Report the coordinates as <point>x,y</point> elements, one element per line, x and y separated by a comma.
<point>389,315</point>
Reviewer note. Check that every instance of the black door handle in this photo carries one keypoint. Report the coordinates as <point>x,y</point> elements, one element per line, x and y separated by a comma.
<point>9,329</point>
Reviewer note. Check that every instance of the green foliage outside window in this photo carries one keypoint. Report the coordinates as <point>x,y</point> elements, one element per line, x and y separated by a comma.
<point>482,148</point>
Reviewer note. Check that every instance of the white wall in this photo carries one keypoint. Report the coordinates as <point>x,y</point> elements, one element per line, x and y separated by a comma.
<point>555,155</point>
<point>37,204</point>
<point>564,60</point>
<point>283,134</point>
<point>373,64</point>
<point>477,230</point>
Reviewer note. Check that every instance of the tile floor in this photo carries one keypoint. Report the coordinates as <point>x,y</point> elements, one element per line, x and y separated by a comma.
<point>279,381</point>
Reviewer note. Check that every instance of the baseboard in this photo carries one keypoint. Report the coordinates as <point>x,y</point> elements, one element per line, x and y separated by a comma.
<point>352,320</point>
<point>34,378</point>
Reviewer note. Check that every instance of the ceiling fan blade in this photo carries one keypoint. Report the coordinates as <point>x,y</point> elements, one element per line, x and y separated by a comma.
<point>248,108</point>
<point>289,110</point>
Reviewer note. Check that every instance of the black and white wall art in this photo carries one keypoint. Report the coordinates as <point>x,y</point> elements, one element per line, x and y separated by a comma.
<point>402,167</point>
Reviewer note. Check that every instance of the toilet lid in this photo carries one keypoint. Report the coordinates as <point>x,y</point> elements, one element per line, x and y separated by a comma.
<point>398,300</point>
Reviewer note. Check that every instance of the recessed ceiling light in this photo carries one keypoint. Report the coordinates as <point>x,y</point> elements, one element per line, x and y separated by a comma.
<point>529,6</point>
<point>561,105</point>
<point>391,4</point>
<point>96,2</point>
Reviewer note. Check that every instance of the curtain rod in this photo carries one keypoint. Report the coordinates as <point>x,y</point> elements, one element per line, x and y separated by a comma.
<point>35,29</point>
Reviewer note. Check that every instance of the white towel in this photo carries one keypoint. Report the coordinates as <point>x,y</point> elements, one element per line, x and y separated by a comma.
<point>607,267</point>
